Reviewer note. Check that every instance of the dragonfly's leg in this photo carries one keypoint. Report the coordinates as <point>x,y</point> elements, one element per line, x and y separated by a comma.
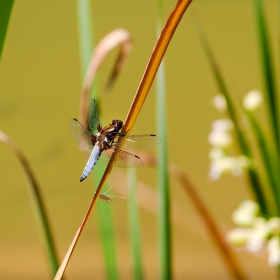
<point>119,133</point>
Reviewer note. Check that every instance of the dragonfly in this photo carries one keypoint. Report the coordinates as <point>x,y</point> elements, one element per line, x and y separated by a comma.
<point>102,142</point>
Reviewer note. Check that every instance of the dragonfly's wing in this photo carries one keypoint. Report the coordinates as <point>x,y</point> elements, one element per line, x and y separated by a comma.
<point>140,141</point>
<point>124,159</point>
<point>93,119</point>
<point>81,135</point>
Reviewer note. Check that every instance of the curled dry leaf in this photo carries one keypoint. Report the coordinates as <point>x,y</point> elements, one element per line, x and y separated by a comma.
<point>104,47</point>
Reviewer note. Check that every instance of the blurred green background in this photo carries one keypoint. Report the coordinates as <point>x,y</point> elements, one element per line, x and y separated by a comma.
<point>40,91</point>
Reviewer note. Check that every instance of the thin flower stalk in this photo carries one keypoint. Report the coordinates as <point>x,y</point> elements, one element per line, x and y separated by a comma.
<point>253,175</point>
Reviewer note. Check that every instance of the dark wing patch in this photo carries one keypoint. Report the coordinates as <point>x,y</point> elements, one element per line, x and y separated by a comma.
<point>93,119</point>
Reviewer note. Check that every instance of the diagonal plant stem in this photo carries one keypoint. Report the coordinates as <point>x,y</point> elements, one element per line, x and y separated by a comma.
<point>140,96</point>
<point>37,201</point>
<point>270,162</point>
<point>268,73</point>
<point>209,222</point>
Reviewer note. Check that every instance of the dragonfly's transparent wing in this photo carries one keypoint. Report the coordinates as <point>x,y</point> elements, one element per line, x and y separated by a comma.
<point>125,159</point>
<point>93,119</point>
<point>140,141</point>
<point>81,135</point>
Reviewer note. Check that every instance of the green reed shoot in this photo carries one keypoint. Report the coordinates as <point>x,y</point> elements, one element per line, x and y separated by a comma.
<point>164,229</point>
<point>107,235</point>
<point>268,73</point>
<point>134,227</point>
<point>5,13</point>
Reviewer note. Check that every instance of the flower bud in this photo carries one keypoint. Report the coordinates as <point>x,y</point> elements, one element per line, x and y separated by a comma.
<point>219,102</point>
<point>252,100</point>
<point>238,236</point>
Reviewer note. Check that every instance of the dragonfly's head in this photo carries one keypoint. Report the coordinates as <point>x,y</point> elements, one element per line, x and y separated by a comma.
<point>117,124</point>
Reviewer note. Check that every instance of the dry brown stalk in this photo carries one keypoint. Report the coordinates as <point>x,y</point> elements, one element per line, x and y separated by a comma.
<point>137,103</point>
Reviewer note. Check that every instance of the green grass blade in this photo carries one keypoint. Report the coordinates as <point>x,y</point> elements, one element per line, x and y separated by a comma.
<point>86,42</point>
<point>268,73</point>
<point>254,179</point>
<point>267,159</point>
<point>5,12</point>
<point>37,203</point>
<point>104,213</point>
<point>163,177</point>
<point>134,227</point>
<point>106,229</point>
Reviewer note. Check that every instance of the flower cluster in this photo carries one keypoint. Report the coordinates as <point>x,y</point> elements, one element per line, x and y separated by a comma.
<point>255,232</point>
<point>221,141</point>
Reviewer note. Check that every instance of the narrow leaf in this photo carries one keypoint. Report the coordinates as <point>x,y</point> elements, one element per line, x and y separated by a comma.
<point>134,227</point>
<point>268,73</point>
<point>37,203</point>
<point>267,160</point>
<point>164,230</point>
<point>5,12</point>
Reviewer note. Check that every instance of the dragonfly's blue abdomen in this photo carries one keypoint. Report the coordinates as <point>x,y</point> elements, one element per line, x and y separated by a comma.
<point>94,156</point>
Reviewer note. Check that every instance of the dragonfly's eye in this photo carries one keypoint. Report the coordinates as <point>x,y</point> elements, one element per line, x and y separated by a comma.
<point>117,124</point>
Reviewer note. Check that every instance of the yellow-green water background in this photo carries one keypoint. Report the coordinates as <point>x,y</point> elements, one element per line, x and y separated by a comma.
<point>40,85</point>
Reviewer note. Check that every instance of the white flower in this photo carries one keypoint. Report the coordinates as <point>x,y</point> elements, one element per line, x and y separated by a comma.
<point>258,236</point>
<point>238,236</point>
<point>252,100</point>
<point>220,139</point>
<point>225,164</point>
<point>274,258</point>
<point>219,102</point>
<point>246,213</point>
<point>273,250</point>
<point>215,153</point>
<point>222,125</point>
<point>220,165</point>
<point>273,225</point>
<point>273,244</point>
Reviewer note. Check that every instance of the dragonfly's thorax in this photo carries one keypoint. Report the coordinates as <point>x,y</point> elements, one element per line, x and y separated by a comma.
<point>105,138</point>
